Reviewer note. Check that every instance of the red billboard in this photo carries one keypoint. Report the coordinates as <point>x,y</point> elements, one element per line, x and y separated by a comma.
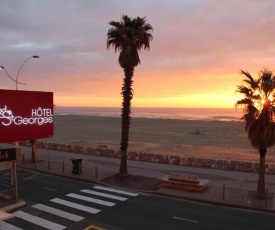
<point>25,115</point>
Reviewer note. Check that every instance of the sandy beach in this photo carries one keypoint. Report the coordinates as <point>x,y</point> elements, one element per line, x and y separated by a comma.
<point>206,139</point>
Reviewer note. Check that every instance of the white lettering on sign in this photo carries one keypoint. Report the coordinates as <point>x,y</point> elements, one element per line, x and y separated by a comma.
<point>39,116</point>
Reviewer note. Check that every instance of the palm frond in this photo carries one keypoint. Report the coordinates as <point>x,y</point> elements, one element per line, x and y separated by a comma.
<point>259,107</point>
<point>243,102</point>
<point>129,36</point>
<point>244,90</point>
<point>250,81</point>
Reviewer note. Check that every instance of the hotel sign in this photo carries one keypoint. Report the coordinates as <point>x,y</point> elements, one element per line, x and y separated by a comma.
<point>25,115</point>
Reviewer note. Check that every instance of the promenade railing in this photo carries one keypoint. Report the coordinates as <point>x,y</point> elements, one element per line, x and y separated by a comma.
<point>86,171</point>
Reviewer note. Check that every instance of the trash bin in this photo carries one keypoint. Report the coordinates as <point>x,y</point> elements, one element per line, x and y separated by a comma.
<point>77,166</point>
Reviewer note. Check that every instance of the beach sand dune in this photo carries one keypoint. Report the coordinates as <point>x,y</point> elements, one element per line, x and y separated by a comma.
<point>206,139</point>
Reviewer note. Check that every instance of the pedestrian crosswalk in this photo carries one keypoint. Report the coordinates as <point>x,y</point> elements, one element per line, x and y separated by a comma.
<point>38,221</point>
<point>104,195</point>
<point>89,201</point>
<point>58,212</point>
<point>6,226</point>
<point>115,191</point>
<point>76,206</point>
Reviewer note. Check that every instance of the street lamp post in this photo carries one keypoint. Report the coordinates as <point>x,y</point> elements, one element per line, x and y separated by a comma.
<point>16,80</point>
<point>2,67</point>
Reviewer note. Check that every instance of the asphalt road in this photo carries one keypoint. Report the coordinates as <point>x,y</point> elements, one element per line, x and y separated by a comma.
<point>62,203</point>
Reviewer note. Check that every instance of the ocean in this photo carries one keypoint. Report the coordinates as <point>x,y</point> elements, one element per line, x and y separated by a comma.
<point>205,114</point>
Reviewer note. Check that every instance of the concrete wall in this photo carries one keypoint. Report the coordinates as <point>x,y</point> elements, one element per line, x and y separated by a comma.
<point>233,165</point>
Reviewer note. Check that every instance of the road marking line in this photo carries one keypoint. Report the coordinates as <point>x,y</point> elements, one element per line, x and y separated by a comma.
<point>104,195</point>
<point>76,206</point>
<point>7,226</point>
<point>89,199</point>
<point>34,176</point>
<point>116,191</point>
<point>188,220</point>
<point>58,212</point>
<point>38,221</point>
<point>51,189</point>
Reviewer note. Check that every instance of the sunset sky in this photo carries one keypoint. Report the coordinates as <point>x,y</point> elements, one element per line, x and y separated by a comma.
<point>198,49</point>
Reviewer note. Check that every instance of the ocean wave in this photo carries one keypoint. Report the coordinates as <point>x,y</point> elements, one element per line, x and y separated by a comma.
<point>226,115</point>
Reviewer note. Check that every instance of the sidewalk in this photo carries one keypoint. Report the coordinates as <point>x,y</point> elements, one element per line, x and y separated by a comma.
<point>228,188</point>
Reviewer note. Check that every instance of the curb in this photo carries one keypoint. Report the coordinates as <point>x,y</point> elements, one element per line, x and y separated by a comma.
<point>13,206</point>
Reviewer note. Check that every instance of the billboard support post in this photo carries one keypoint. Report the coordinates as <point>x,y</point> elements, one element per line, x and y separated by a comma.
<point>34,151</point>
<point>14,180</point>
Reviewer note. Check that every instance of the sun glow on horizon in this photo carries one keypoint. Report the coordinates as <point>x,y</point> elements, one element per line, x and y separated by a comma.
<point>179,101</point>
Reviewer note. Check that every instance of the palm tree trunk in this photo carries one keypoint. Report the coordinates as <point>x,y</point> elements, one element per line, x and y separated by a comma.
<point>261,180</point>
<point>125,118</point>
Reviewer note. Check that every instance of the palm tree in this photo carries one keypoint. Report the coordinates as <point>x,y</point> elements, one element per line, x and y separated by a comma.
<point>128,36</point>
<point>259,109</point>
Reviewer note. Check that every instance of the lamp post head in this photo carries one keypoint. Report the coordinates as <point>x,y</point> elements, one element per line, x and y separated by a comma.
<point>35,56</point>
<point>2,67</point>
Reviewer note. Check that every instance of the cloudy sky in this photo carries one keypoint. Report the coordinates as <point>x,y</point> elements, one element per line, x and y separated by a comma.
<point>198,49</point>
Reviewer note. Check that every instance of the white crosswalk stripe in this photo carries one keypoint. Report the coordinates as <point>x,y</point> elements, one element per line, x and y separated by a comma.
<point>76,206</point>
<point>89,199</point>
<point>7,226</point>
<point>104,195</point>
<point>104,192</point>
<point>38,221</point>
<point>116,191</point>
<point>58,212</point>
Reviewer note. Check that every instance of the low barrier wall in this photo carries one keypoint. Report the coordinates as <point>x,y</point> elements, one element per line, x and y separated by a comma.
<point>233,165</point>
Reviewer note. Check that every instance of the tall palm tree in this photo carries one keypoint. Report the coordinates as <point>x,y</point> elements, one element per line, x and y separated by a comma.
<point>128,36</point>
<point>259,109</point>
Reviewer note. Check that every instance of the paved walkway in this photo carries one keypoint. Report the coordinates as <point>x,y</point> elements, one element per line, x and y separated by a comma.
<point>235,189</point>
